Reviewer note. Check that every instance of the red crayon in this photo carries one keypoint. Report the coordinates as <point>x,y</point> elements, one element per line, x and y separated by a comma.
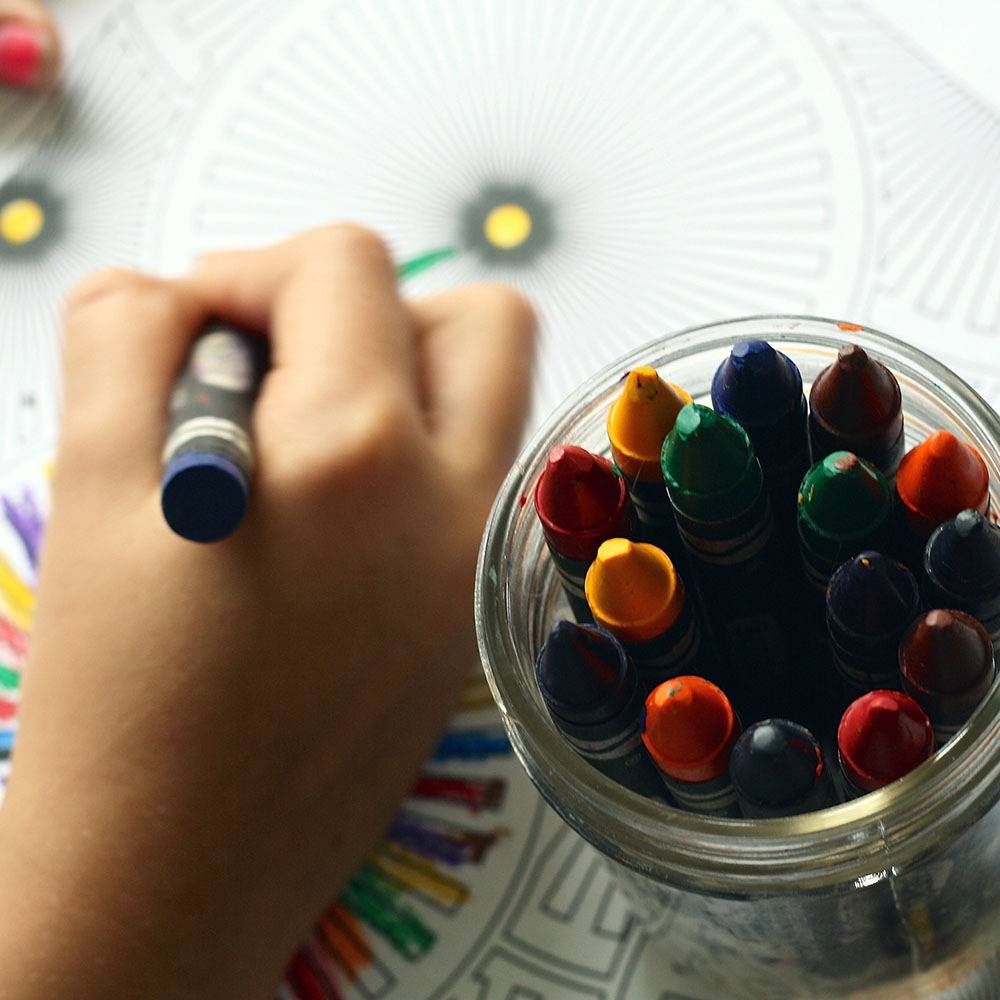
<point>947,665</point>
<point>689,728</point>
<point>581,501</point>
<point>882,736</point>
<point>936,480</point>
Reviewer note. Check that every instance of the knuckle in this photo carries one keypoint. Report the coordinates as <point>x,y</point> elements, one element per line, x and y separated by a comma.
<point>101,286</point>
<point>347,239</point>
<point>507,305</point>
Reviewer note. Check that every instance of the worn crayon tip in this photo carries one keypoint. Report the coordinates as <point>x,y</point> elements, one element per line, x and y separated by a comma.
<point>940,477</point>
<point>857,398</point>
<point>580,669</point>
<point>640,418</point>
<point>946,652</point>
<point>708,454</point>
<point>578,490</point>
<point>872,595</point>
<point>756,384</point>
<point>843,496</point>
<point>689,728</point>
<point>775,762</point>
<point>882,736</point>
<point>633,590</point>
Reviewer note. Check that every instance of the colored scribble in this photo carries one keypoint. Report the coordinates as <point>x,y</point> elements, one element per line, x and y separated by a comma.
<point>16,597</point>
<point>424,879</point>
<point>472,794</point>
<point>472,744</point>
<point>28,521</point>
<point>417,265</point>
<point>375,898</point>
<point>440,841</point>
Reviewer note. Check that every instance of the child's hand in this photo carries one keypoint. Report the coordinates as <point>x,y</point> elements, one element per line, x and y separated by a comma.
<point>29,45</point>
<point>213,736</point>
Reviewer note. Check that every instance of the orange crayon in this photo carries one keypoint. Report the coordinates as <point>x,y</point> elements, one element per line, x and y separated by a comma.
<point>936,480</point>
<point>689,728</point>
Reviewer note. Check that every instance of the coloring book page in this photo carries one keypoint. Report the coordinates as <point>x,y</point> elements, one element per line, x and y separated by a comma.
<point>635,168</point>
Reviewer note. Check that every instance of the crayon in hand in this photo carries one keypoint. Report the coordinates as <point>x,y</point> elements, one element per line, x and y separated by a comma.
<point>856,405</point>
<point>591,690</point>
<point>689,728</point>
<point>635,592</point>
<point>580,501</point>
<point>761,389</point>
<point>936,480</point>
<point>870,603</point>
<point>778,769</point>
<point>962,569</point>
<point>208,457</point>
<point>882,736</point>
<point>947,665</point>
<point>638,421</point>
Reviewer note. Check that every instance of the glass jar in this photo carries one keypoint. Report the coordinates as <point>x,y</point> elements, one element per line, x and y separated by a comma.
<point>895,894</point>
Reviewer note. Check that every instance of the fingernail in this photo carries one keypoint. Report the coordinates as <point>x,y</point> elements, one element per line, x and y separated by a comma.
<point>24,53</point>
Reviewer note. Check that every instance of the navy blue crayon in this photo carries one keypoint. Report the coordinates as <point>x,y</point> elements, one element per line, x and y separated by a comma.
<point>777,768</point>
<point>208,457</point>
<point>870,603</point>
<point>761,389</point>
<point>591,690</point>
<point>961,569</point>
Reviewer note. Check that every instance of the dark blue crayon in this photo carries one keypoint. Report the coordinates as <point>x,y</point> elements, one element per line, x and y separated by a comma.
<point>778,769</point>
<point>870,603</point>
<point>208,457</point>
<point>961,569</point>
<point>591,690</point>
<point>761,389</point>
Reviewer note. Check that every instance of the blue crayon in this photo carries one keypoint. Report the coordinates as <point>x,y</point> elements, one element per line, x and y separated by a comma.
<point>208,457</point>
<point>761,389</point>
<point>591,690</point>
<point>870,603</point>
<point>777,768</point>
<point>961,569</point>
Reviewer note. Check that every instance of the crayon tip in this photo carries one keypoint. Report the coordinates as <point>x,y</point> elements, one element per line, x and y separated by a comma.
<point>689,728</point>
<point>962,560</point>
<point>756,384</point>
<point>844,497</point>
<point>775,762</point>
<point>578,491</point>
<point>872,595</point>
<point>857,397</point>
<point>882,736</point>
<point>709,463</point>
<point>580,670</point>
<point>204,495</point>
<point>640,418</point>
<point>633,589</point>
<point>946,652</point>
<point>940,477</point>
